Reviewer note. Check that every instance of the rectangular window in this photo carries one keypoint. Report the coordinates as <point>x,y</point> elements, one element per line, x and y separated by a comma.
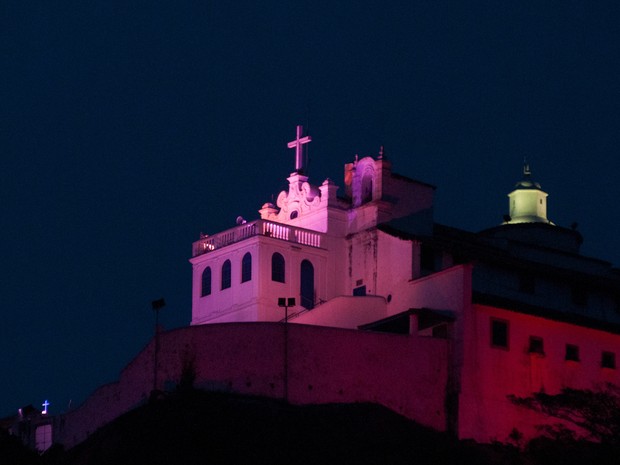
<point>536,345</point>
<point>572,353</point>
<point>43,437</point>
<point>359,291</point>
<point>608,359</point>
<point>427,259</point>
<point>499,333</point>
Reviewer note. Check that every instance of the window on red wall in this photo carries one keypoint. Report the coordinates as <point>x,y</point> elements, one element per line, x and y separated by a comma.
<point>499,333</point>
<point>572,353</point>
<point>536,345</point>
<point>608,359</point>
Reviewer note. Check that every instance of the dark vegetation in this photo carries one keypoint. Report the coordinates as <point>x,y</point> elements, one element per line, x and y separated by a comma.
<point>13,452</point>
<point>194,427</point>
<point>595,411</point>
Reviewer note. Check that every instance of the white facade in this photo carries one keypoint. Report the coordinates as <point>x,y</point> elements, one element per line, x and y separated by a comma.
<point>334,239</point>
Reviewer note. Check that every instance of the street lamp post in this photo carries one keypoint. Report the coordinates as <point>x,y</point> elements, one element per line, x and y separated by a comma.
<point>286,302</point>
<point>157,305</point>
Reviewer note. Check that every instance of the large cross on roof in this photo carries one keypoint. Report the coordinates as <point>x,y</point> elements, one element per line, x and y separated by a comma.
<point>297,144</point>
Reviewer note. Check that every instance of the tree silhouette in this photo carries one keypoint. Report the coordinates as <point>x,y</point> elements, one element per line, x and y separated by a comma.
<point>595,411</point>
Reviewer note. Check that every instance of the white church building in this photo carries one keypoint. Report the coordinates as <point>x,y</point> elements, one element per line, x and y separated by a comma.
<point>522,309</point>
<point>324,250</point>
<point>439,324</point>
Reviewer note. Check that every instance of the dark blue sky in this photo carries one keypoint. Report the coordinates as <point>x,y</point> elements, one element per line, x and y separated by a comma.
<point>128,127</point>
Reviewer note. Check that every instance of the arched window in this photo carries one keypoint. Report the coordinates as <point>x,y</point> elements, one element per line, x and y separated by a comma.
<point>226,275</point>
<point>246,267</point>
<point>205,288</point>
<point>307,285</point>
<point>277,268</point>
<point>367,187</point>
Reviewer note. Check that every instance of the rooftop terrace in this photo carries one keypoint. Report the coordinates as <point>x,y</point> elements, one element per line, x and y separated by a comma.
<point>245,231</point>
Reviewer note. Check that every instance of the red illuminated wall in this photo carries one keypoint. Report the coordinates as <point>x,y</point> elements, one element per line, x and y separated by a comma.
<point>490,374</point>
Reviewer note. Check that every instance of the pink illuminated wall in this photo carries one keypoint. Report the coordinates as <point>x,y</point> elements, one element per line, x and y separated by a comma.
<point>405,374</point>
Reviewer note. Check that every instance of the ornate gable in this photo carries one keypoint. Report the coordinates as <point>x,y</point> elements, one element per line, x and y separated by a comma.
<point>301,198</point>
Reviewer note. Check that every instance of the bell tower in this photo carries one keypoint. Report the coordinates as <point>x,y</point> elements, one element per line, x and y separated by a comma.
<point>527,202</point>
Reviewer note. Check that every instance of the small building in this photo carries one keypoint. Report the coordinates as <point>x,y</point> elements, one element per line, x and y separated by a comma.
<point>32,426</point>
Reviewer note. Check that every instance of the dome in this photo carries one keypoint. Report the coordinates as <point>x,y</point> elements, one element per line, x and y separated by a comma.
<point>526,182</point>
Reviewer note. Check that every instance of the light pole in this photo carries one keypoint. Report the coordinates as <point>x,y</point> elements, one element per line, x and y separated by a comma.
<point>286,302</point>
<point>157,305</point>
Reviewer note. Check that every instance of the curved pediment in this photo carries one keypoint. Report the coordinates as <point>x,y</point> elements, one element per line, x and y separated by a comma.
<point>301,198</point>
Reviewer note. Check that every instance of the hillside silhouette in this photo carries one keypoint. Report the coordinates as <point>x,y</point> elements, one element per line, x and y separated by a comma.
<point>196,427</point>
<point>203,428</point>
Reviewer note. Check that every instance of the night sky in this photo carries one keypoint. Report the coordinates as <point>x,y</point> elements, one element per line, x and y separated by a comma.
<point>127,128</point>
